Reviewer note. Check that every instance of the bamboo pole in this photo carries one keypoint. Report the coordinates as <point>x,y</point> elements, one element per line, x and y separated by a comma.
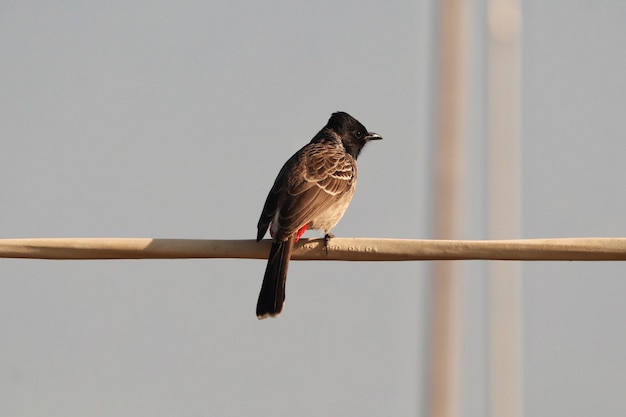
<point>504,207</point>
<point>340,249</point>
<point>450,130</point>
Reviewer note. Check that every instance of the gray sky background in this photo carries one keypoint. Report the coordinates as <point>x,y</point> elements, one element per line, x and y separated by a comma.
<point>171,119</point>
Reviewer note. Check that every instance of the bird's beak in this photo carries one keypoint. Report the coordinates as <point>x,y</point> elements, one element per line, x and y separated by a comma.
<point>373,136</point>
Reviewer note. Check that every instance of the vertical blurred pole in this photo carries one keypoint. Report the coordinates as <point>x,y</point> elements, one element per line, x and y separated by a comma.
<point>445,372</point>
<point>505,354</point>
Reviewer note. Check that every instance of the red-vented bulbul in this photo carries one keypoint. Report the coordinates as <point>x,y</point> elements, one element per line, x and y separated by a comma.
<point>313,190</point>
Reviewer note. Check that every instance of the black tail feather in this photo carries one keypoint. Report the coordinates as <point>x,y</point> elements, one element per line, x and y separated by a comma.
<point>272,294</point>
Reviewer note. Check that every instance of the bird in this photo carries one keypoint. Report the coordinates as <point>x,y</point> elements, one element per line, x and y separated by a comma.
<point>312,191</point>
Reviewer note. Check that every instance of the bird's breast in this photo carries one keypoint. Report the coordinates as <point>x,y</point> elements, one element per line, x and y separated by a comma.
<point>327,219</point>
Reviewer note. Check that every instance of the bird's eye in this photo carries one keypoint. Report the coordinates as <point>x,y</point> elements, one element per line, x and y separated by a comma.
<point>359,134</point>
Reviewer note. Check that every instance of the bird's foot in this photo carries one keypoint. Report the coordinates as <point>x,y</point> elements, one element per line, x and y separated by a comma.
<point>327,238</point>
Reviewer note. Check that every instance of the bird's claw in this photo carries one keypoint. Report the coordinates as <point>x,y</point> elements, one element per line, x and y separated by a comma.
<point>327,238</point>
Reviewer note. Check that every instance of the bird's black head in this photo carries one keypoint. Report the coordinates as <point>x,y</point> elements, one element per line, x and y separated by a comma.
<point>353,134</point>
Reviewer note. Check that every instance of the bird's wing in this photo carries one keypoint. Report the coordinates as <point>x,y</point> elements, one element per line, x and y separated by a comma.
<point>320,175</point>
<point>271,203</point>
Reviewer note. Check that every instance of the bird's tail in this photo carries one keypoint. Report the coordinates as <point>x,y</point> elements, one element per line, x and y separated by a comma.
<point>272,294</point>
